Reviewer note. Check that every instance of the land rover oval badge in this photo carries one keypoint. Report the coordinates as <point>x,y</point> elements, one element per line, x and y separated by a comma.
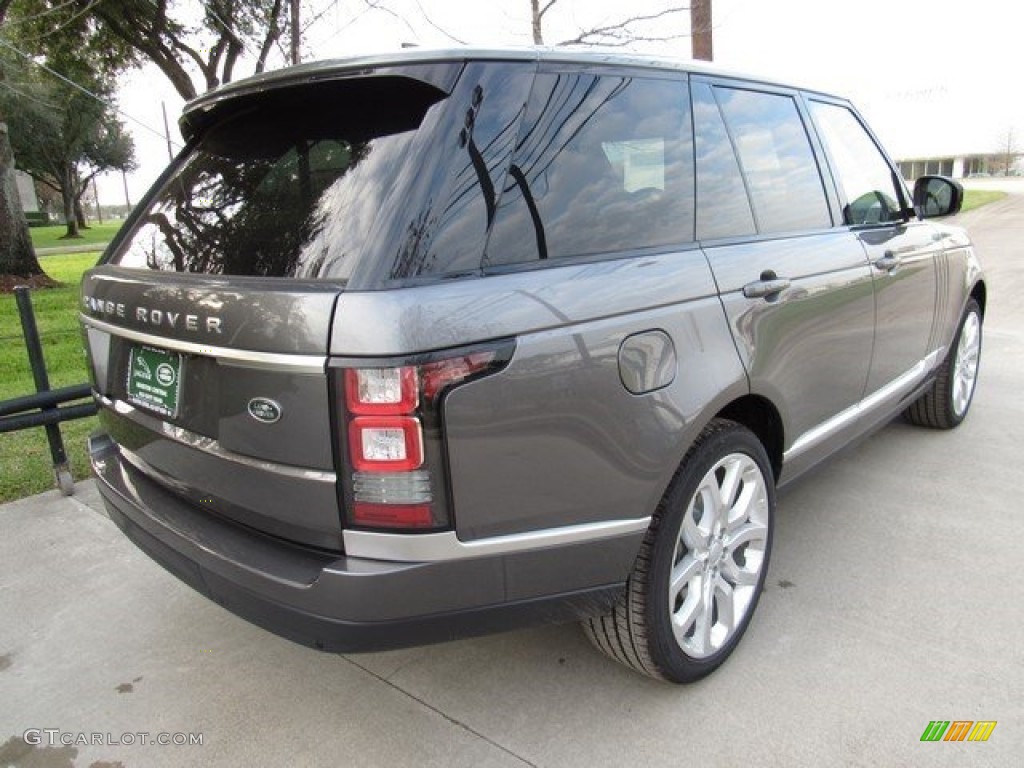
<point>264,409</point>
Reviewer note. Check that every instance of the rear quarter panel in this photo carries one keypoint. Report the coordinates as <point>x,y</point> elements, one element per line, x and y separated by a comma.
<point>555,438</point>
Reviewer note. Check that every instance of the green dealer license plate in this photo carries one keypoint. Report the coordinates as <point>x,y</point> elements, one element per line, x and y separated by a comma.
<point>154,379</point>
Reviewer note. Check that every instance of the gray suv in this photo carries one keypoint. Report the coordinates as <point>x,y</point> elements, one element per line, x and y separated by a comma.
<point>408,348</point>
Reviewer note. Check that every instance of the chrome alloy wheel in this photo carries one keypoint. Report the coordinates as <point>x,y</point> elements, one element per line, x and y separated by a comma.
<point>719,555</point>
<point>965,367</point>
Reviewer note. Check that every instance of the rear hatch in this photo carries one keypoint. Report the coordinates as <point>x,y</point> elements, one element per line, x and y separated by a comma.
<point>208,322</point>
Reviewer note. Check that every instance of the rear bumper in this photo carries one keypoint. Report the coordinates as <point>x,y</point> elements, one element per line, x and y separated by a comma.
<point>338,603</point>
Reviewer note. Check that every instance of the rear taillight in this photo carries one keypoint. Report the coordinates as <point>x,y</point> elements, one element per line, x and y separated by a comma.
<point>392,443</point>
<point>385,443</point>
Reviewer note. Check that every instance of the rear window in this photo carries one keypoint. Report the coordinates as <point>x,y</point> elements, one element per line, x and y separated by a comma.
<point>288,185</point>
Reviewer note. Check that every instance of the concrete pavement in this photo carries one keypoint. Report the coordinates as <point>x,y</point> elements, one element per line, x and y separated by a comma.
<point>894,598</point>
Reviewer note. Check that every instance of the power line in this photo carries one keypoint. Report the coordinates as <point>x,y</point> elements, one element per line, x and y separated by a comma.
<point>84,90</point>
<point>231,33</point>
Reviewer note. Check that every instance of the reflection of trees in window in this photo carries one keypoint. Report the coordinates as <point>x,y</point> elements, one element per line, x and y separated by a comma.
<point>445,233</point>
<point>247,215</point>
<point>572,183</point>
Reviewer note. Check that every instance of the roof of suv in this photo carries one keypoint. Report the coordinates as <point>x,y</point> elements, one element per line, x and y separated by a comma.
<point>322,70</point>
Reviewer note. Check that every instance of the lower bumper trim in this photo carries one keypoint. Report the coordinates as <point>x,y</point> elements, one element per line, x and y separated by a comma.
<point>339,636</point>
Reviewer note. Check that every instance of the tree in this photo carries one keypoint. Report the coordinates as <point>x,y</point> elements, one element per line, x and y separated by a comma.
<point>195,57</point>
<point>62,135</point>
<point>616,33</point>
<point>641,27</point>
<point>17,257</point>
<point>1006,153</point>
<point>35,31</point>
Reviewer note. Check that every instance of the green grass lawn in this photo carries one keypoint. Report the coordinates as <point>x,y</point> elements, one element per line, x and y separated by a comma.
<point>975,198</point>
<point>50,237</point>
<point>25,464</point>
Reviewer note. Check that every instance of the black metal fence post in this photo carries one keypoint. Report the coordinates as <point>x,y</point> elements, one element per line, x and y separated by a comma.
<point>61,469</point>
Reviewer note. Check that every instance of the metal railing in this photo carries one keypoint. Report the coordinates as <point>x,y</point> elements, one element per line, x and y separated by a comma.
<point>44,408</point>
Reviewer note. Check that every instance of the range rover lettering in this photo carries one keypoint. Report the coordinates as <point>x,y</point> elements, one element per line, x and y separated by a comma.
<point>407,348</point>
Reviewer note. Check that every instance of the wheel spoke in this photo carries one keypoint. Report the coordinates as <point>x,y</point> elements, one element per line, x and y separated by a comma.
<point>693,537</point>
<point>745,505</point>
<point>725,492</point>
<point>684,618</point>
<point>703,625</point>
<point>745,534</point>
<point>725,600</point>
<point>684,573</point>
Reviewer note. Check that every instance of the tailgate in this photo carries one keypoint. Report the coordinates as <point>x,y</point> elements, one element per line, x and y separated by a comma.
<point>217,388</point>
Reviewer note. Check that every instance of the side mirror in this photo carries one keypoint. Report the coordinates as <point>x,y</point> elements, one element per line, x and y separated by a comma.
<point>937,196</point>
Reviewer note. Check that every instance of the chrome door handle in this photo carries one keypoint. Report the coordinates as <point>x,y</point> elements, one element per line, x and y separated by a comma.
<point>888,262</point>
<point>760,289</point>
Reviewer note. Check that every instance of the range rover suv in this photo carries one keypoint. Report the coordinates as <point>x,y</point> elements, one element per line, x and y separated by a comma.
<point>402,349</point>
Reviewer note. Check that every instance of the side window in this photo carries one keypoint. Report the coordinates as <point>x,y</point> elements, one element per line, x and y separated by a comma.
<point>723,209</point>
<point>602,164</point>
<point>777,160</point>
<point>869,190</point>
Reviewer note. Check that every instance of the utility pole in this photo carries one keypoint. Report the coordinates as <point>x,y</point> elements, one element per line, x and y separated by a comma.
<point>124,179</point>
<point>167,132</point>
<point>296,33</point>
<point>700,30</point>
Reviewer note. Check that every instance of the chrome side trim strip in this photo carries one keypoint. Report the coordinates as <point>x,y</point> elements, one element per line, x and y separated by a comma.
<point>238,357</point>
<point>826,429</point>
<point>209,445</point>
<point>433,547</point>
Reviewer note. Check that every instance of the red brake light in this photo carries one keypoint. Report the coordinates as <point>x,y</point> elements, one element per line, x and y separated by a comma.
<point>438,375</point>
<point>392,515</point>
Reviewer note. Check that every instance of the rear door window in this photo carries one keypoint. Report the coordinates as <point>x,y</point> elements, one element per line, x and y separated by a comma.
<point>603,164</point>
<point>723,208</point>
<point>777,160</point>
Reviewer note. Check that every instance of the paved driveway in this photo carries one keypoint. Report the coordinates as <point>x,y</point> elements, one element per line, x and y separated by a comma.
<point>896,597</point>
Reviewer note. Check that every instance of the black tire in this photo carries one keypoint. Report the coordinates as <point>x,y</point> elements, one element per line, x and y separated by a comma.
<point>638,632</point>
<point>945,405</point>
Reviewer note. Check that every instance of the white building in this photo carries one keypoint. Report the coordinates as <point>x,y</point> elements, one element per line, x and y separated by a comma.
<point>959,166</point>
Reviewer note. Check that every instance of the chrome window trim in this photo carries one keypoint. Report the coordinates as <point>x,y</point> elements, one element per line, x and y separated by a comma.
<point>434,547</point>
<point>827,429</point>
<point>237,357</point>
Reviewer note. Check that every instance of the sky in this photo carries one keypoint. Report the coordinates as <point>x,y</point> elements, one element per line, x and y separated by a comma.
<point>936,77</point>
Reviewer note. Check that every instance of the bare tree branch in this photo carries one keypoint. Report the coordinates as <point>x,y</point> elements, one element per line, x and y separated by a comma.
<point>619,33</point>
<point>378,5</point>
<point>535,19</point>
<point>439,28</point>
<point>273,32</point>
<point>546,8</point>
